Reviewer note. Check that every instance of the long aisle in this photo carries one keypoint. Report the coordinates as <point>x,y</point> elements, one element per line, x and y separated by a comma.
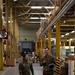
<point>37,69</point>
<point>14,70</point>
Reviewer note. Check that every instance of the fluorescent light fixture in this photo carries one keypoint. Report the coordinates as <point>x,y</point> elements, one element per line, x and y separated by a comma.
<point>38,18</point>
<point>71,39</point>
<point>36,7</point>
<point>54,26</point>
<point>46,38</point>
<point>64,21</point>
<point>34,17</point>
<point>9,21</point>
<point>67,34</point>
<point>49,7</point>
<point>53,39</point>
<point>62,35</point>
<point>72,31</point>
<point>43,18</point>
<point>15,0</point>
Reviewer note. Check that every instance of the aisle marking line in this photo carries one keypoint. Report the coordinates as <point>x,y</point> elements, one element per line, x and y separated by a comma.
<point>5,71</point>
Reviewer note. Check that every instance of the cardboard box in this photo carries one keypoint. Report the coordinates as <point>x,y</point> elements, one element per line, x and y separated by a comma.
<point>71,57</point>
<point>11,61</point>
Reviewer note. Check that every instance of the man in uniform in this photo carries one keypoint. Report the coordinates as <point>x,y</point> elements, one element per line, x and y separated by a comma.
<point>25,67</point>
<point>46,62</point>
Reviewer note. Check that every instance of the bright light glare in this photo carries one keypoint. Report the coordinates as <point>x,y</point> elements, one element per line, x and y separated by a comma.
<point>71,39</point>
<point>38,18</point>
<point>36,7</point>
<point>67,34</point>
<point>15,0</point>
<point>54,26</point>
<point>43,18</point>
<point>72,31</point>
<point>9,21</point>
<point>49,7</point>
<point>39,7</point>
<point>62,35</point>
<point>34,18</point>
<point>64,21</point>
<point>53,39</point>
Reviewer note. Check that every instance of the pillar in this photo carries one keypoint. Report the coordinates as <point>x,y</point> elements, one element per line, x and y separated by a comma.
<point>58,48</point>
<point>16,32</point>
<point>7,26</point>
<point>69,43</point>
<point>11,29</point>
<point>49,40</point>
<point>1,49</point>
<point>40,48</point>
<point>44,42</point>
<point>14,40</point>
<point>36,46</point>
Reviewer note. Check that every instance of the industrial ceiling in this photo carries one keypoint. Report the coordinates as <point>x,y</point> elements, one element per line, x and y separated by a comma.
<point>47,9</point>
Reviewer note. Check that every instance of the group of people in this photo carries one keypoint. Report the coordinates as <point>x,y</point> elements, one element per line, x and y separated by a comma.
<point>47,62</point>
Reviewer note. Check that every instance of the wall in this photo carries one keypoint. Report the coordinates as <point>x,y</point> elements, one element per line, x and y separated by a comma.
<point>27,33</point>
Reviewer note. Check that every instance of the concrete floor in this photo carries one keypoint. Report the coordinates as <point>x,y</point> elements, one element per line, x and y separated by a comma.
<point>14,70</point>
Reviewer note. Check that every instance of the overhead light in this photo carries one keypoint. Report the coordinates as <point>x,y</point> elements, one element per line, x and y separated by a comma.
<point>38,18</point>
<point>9,21</point>
<point>71,39</point>
<point>15,0</point>
<point>34,17</point>
<point>62,35</point>
<point>36,7</point>
<point>43,18</point>
<point>49,7</point>
<point>39,7</point>
<point>46,38</point>
<point>53,39</point>
<point>54,26</point>
<point>64,21</point>
<point>72,31</point>
<point>67,34</point>
<point>67,40</point>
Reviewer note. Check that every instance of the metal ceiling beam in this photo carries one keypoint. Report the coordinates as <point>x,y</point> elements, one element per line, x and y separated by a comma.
<point>65,29</point>
<point>18,6</point>
<point>35,13</point>
<point>67,18</point>
<point>68,23</point>
<point>51,2</point>
<point>31,22</point>
<point>29,2</point>
<point>28,18</point>
<point>62,33</point>
<point>62,11</point>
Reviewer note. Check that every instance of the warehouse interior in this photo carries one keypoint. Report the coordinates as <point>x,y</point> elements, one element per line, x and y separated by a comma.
<point>43,23</point>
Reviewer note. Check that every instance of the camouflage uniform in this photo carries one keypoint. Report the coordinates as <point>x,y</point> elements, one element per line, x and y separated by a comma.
<point>25,67</point>
<point>48,60</point>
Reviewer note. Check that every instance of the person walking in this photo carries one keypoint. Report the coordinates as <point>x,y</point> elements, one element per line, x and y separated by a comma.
<point>25,67</point>
<point>47,62</point>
